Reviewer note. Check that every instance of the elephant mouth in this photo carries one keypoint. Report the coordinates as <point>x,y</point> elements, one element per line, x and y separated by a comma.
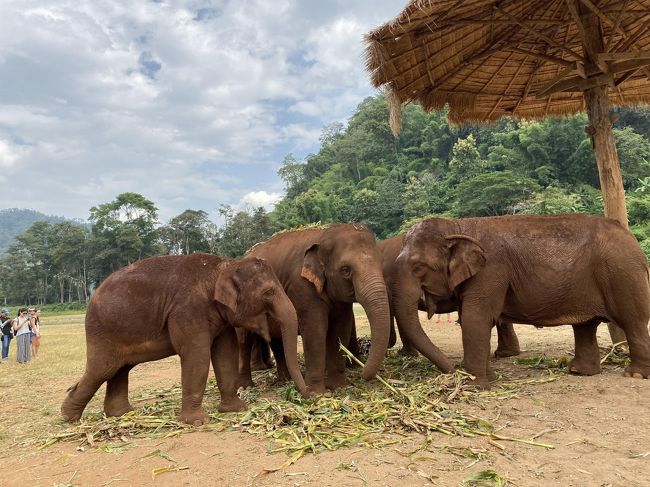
<point>431,293</point>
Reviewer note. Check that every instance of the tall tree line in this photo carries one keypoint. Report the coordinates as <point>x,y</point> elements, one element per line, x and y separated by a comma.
<point>360,173</point>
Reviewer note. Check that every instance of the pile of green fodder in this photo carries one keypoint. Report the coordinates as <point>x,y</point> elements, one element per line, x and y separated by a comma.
<point>413,396</point>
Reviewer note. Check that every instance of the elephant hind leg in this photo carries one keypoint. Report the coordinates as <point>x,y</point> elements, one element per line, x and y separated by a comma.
<point>639,342</point>
<point>116,402</point>
<point>508,343</point>
<point>587,355</point>
<point>82,392</point>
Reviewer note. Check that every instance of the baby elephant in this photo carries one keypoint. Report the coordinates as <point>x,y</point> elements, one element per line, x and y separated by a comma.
<point>185,305</point>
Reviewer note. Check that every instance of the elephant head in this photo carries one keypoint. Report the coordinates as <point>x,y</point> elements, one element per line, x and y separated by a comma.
<point>440,262</point>
<point>346,265</point>
<point>254,299</point>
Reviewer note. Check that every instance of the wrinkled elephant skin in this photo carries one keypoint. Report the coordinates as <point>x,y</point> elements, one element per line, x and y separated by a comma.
<point>324,271</point>
<point>576,269</point>
<point>186,305</point>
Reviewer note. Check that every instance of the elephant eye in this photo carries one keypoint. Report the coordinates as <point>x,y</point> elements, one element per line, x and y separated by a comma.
<point>269,293</point>
<point>346,271</point>
<point>419,269</point>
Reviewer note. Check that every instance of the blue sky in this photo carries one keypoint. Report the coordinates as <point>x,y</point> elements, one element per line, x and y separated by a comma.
<point>192,103</point>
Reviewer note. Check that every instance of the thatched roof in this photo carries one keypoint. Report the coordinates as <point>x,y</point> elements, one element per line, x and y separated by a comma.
<point>486,59</point>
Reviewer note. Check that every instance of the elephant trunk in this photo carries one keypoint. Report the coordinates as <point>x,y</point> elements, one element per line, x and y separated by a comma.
<point>405,303</point>
<point>370,291</point>
<point>285,314</point>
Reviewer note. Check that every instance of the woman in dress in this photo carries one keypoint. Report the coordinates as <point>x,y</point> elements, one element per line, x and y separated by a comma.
<point>22,330</point>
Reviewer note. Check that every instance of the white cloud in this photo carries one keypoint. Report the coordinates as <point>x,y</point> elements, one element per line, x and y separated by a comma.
<point>190,102</point>
<point>255,199</point>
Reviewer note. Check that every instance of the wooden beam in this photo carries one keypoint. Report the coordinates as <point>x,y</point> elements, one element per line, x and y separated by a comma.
<point>576,84</point>
<point>540,35</point>
<point>617,23</point>
<point>603,17</point>
<point>546,89</point>
<point>545,57</point>
<point>623,66</point>
<point>470,21</point>
<point>622,56</point>
<point>573,10</point>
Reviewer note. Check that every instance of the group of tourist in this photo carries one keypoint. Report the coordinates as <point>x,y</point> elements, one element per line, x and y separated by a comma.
<point>26,328</point>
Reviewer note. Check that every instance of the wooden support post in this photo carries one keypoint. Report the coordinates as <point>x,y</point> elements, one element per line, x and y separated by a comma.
<point>602,136</point>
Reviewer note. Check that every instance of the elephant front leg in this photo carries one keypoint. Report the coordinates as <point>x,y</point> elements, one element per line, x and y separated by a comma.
<point>313,328</point>
<point>587,355</point>
<point>508,343</point>
<point>245,344</point>
<point>281,362</point>
<point>195,365</point>
<point>341,324</point>
<point>225,358</point>
<point>476,333</point>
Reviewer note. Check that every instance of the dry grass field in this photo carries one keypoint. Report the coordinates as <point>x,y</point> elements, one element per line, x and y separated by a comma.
<point>537,426</point>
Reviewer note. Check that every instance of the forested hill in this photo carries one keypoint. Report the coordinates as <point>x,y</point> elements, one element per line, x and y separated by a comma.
<point>361,173</point>
<point>14,221</point>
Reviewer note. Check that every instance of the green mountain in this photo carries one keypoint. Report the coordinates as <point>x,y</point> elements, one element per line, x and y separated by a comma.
<point>14,221</point>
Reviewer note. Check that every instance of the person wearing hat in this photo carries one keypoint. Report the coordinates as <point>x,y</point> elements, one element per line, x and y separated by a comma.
<point>22,329</point>
<point>7,333</point>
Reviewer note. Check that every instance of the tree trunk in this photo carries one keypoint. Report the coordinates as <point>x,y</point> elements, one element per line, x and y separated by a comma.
<point>602,139</point>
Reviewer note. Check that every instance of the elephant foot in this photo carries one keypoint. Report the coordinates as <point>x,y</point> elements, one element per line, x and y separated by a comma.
<point>478,384</point>
<point>334,382</point>
<point>579,367</point>
<point>316,389</point>
<point>195,417</point>
<point>637,372</point>
<point>245,382</point>
<point>117,409</point>
<point>232,405</point>
<point>70,414</point>
<point>408,351</point>
<point>504,352</point>
<point>261,365</point>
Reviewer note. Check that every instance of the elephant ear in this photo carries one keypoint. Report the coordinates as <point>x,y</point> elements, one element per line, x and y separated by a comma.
<point>225,289</point>
<point>467,258</point>
<point>313,269</point>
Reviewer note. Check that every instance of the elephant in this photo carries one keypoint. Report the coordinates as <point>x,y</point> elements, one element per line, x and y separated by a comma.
<point>406,298</point>
<point>324,271</point>
<point>187,305</point>
<point>576,269</point>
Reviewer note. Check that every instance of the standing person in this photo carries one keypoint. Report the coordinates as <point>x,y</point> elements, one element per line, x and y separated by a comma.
<point>7,333</point>
<point>22,330</point>
<point>36,331</point>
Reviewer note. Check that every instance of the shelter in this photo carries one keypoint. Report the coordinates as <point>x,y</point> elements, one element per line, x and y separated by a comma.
<point>486,59</point>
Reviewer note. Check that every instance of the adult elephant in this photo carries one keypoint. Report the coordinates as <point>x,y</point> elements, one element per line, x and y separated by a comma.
<point>324,271</point>
<point>544,270</point>
<point>406,298</point>
<point>186,305</point>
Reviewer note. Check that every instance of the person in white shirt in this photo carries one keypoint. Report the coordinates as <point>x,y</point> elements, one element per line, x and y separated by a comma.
<point>22,329</point>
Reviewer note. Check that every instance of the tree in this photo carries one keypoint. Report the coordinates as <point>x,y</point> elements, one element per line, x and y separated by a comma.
<point>466,160</point>
<point>242,230</point>
<point>128,225</point>
<point>191,231</point>
<point>492,194</point>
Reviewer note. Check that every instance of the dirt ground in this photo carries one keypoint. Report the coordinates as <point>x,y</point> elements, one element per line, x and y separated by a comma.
<point>599,427</point>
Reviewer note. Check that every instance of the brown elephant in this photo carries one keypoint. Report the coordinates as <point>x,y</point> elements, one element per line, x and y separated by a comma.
<point>406,298</point>
<point>186,305</point>
<point>544,270</point>
<point>323,272</point>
